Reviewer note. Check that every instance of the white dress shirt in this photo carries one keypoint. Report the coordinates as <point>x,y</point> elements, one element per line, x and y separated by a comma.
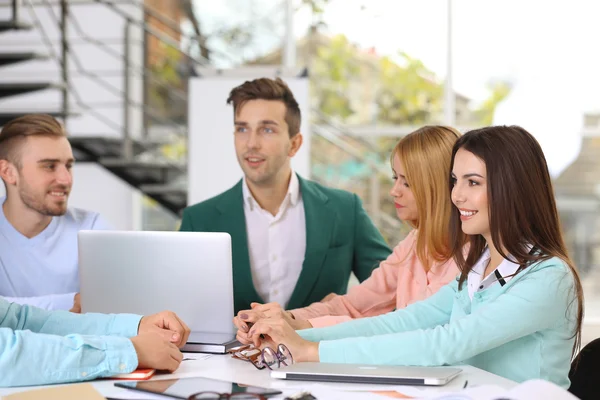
<point>501,275</point>
<point>276,244</point>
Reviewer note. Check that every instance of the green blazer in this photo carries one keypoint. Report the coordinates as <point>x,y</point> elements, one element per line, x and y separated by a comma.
<point>340,238</point>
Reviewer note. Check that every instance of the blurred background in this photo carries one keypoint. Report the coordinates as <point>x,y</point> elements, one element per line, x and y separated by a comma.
<point>117,72</point>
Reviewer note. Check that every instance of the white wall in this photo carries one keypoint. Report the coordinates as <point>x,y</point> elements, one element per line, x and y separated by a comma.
<point>212,164</point>
<point>120,203</point>
<point>117,204</point>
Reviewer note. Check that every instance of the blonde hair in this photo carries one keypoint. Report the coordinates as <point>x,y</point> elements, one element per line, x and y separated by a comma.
<point>426,155</point>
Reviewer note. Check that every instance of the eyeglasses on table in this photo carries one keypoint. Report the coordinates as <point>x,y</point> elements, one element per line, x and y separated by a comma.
<point>265,358</point>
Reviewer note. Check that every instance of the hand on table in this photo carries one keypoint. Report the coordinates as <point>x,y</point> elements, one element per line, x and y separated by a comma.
<point>247,318</point>
<point>166,324</point>
<point>274,331</point>
<point>154,351</point>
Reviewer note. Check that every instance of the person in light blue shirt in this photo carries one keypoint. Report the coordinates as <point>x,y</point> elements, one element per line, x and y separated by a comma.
<point>43,270</point>
<point>38,233</point>
<point>39,347</point>
<point>517,307</point>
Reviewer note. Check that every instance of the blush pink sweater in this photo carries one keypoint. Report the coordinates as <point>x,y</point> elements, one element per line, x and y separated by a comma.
<point>399,281</point>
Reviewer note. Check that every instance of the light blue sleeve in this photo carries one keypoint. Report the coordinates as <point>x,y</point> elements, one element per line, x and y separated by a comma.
<point>42,347</point>
<point>424,314</point>
<point>63,301</point>
<point>537,302</point>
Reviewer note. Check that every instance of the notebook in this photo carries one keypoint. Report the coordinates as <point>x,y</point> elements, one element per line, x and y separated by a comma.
<point>140,374</point>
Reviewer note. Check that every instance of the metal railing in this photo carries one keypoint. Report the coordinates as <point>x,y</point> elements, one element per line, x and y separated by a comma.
<point>336,134</point>
<point>123,95</point>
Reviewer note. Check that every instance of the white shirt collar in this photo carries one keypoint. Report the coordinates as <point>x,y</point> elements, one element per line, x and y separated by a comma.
<point>502,274</point>
<point>293,192</point>
<point>506,267</point>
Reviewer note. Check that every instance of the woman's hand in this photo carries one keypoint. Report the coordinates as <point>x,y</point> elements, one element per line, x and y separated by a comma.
<point>246,318</point>
<point>274,331</point>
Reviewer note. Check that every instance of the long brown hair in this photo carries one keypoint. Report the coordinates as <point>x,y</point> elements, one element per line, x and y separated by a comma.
<point>522,207</point>
<point>425,155</point>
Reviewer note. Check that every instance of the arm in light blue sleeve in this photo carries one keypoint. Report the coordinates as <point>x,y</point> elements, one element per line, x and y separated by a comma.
<point>18,317</point>
<point>63,301</point>
<point>28,358</point>
<point>435,310</point>
<point>33,350</point>
<point>538,301</point>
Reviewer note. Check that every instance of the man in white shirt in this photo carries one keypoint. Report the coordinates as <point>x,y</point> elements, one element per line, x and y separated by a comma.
<point>38,233</point>
<point>294,241</point>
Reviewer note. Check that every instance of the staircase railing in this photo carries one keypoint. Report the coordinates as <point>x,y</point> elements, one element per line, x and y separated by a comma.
<point>62,62</point>
<point>326,129</point>
<point>129,67</point>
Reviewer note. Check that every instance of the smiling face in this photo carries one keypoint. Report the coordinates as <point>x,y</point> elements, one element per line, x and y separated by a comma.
<point>262,142</point>
<point>404,200</point>
<point>44,179</point>
<point>470,193</point>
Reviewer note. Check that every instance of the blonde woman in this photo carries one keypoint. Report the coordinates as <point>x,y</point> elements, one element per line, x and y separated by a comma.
<point>418,266</point>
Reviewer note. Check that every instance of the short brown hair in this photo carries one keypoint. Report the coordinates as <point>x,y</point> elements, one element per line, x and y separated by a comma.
<point>268,89</point>
<point>16,131</point>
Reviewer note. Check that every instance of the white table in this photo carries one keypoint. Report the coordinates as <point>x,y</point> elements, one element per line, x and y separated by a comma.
<point>223,367</point>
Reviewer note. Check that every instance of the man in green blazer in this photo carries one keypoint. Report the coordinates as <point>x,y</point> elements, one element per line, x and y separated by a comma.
<point>294,241</point>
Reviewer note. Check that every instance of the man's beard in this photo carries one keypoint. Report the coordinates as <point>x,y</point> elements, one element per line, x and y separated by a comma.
<point>39,206</point>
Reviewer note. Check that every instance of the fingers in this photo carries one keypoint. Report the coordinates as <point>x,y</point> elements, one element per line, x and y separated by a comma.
<point>179,330</point>
<point>246,318</point>
<point>177,354</point>
<point>174,358</point>
<point>265,308</point>
<point>256,340</point>
<point>266,342</point>
<point>243,338</point>
<point>255,335</point>
<point>172,364</point>
<point>267,328</point>
<point>186,331</point>
<point>241,325</point>
<point>251,316</point>
<point>165,334</point>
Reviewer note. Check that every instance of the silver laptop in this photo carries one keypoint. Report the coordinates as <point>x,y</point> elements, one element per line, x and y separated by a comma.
<point>189,273</point>
<point>355,373</point>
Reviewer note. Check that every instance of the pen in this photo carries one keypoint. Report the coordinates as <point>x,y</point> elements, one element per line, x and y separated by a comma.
<point>465,385</point>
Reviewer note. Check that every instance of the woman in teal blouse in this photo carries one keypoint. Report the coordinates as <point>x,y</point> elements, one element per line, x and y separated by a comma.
<point>517,306</point>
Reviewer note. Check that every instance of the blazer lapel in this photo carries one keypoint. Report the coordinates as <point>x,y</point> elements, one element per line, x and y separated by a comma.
<point>232,220</point>
<point>319,219</point>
